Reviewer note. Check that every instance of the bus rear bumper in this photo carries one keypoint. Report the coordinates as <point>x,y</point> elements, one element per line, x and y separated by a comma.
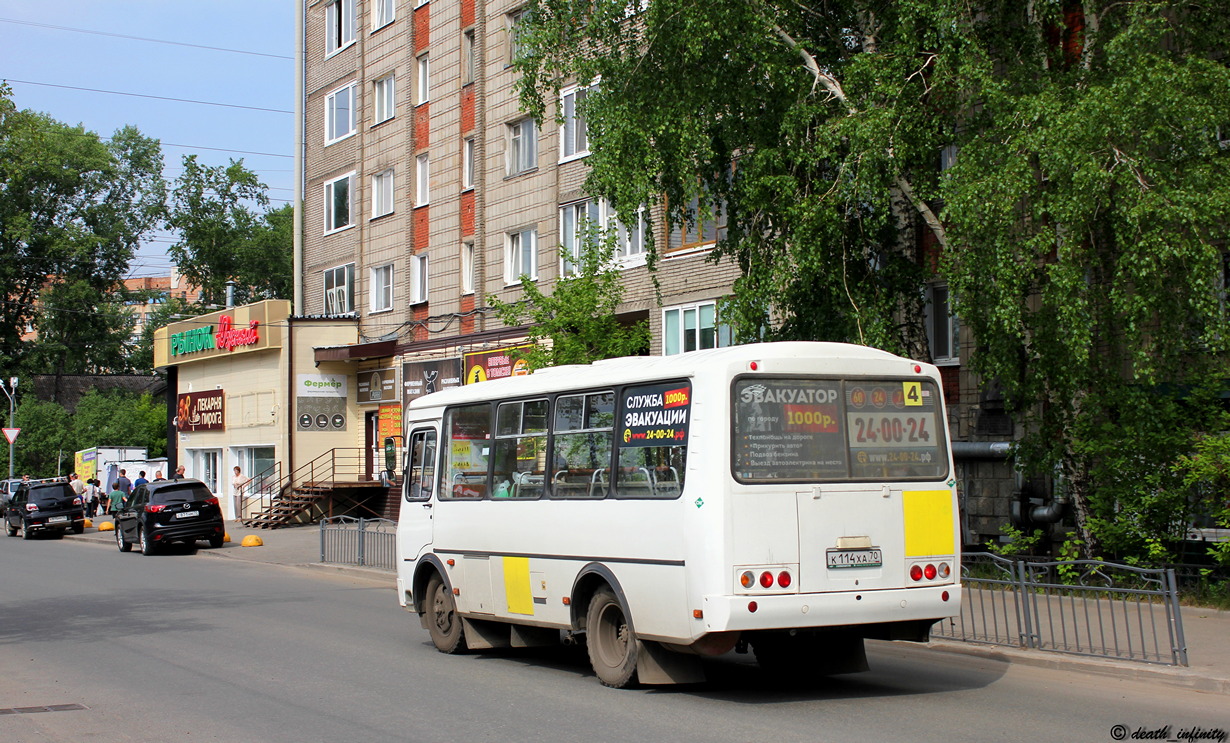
<point>808,610</point>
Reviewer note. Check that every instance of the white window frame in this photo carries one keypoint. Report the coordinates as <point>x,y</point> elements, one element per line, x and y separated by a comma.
<point>422,180</point>
<point>946,346</point>
<point>469,56</point>
<point>574,222</point>
<point>467,267</point>
<point>573,131</point>
<point>630,248</point>
<point>384,93</point>
<point>520,255</point>
<point>383,193</point>
<point>339,290</point>
<point>384,12</point>
<point>333,132</point>
<point>674,333</point>
<point>512,21</point>
<point>420,286</point>
<point>467,163</point>
<point>423,77</point>
<point>381,293</point>
<point>340,26</point>
<point>522,149</point>
<point>330,187</point>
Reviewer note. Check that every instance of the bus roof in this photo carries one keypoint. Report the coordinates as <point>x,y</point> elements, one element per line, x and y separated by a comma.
<point>642,368</point>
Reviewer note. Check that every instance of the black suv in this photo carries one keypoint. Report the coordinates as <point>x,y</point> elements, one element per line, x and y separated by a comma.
<point>44,506</point>
<point>166,511</point>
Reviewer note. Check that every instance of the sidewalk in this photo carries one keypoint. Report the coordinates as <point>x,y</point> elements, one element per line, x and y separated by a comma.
<point>1207,631</point>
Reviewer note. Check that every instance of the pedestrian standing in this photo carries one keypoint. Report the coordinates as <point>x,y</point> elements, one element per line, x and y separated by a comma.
<point>115,500</point>
<point>122,483</point>
<point>179,473</point>
<point>77,485</point>
<point>238,484</point>
<point>140,479</point>
<point>91,497</point>
<point>158,476</point>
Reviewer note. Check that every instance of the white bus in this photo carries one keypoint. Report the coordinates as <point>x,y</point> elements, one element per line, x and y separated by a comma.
<point>793,498</point>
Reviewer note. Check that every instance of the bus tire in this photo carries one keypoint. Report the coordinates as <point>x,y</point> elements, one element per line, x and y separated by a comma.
<point>611,642</point>
<point>442,620</point>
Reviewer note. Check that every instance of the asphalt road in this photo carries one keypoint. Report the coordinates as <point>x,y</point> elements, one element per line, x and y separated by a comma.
<point>186,647</point>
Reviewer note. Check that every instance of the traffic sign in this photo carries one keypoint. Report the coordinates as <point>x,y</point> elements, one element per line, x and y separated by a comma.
<point>11,434</point>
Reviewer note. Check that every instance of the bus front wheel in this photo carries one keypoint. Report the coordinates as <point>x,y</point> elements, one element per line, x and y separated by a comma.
<point>442,620</point>
<point>612,645</point>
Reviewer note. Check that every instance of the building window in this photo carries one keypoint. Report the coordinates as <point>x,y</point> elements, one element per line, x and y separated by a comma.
<point>385,101</point>
<point>382,288</point>
<point>340,117</point>
<point>630,239</point>
<point>468,57</point>
<point>339,290</point>
<point>340,25</point>
<point>467,268</point>
<point>424,78</point>
<point>516,32</point>
<point>573,132</point>
<point>382,14</point>
<point>520,256</point>
<point>467,163</point>
<point>579,223</point>
<point>382,193</point>
<point>418,279</point>
<point>337,203</point>
<point>422,186</point>
<point>943,328</point>
<point>691,328</point>
<point>522,146</point>
<point>700,230</point>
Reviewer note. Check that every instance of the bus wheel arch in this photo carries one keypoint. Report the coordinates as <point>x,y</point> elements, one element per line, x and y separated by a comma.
<point>609,635</point>
<point>428,566</point>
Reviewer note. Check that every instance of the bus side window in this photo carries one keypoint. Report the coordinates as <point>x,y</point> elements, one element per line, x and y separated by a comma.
<point>421,472</point>
<point>468,449</point>
<point>520,450</point>
<point>582,445</point>
<point>655,421</point>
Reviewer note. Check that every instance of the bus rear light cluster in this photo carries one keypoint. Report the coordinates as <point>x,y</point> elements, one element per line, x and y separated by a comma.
<point>929,571</point>
<point>767,579</point>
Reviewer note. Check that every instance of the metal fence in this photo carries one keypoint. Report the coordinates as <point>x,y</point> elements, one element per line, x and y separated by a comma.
<point>1082,607</point>
<point>368,543</point>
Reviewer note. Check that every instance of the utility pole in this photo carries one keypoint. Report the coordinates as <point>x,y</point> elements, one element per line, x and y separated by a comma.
<point>12,406</point>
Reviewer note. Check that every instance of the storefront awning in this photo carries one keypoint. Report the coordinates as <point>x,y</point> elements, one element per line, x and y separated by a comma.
<point>355,351</point>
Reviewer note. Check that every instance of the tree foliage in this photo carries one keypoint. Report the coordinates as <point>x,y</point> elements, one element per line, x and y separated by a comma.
<point>223,238</point>
<point>1081,225</point>
<point>50,436</point>
<point>578,316</point>
<point>74,209</point>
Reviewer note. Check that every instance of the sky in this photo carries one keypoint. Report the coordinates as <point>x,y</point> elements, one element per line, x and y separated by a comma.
<point>90,46</point>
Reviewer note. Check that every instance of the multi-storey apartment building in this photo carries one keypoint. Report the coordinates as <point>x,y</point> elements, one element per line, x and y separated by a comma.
<point>427,190</point>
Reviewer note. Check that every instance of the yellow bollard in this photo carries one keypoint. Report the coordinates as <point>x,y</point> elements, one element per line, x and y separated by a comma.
<point>106,526</point>
<point>226,537</point>
<point>88,524</point>
<point>251,541</point>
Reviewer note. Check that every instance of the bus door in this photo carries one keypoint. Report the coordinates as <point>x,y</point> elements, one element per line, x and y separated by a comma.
<point>418,492</point>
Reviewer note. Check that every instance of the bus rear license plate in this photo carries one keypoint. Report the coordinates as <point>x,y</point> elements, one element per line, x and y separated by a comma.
<point>187,514</point>
<point>868,558</point>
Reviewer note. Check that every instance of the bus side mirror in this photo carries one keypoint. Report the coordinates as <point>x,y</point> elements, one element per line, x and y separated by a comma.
<point>390,458</point>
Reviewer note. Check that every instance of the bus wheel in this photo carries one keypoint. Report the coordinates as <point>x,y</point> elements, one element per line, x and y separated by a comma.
<point>612,646</point>
<point>442,620</point>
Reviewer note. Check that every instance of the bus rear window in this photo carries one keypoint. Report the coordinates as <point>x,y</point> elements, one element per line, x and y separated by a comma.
<point>827,429</point>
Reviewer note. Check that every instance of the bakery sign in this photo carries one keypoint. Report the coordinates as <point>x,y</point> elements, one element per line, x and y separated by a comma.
<point>201,411</point>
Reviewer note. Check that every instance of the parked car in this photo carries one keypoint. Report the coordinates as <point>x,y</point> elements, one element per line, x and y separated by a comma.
<point>8,488</point>
<point>167,511</point>
<point>44,507</point>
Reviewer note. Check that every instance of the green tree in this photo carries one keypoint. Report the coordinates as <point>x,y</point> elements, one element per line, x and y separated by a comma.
<point>223,238</point>
<point>73,210</point>
<point>120,419</point>
<point>81,330</point>
<point>45,438</point>
<point>1088,208</point>
<point>578,316</point>
<point>1081,225</point>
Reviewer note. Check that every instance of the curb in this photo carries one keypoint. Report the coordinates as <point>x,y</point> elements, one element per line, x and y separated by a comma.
<point>1171,675</point>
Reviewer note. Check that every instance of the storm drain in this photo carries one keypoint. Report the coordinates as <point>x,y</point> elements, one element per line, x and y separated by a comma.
<point>48,708</point>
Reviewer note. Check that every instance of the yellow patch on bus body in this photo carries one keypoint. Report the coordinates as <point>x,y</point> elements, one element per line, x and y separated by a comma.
<point>928,523</point>
<point>517,585</point>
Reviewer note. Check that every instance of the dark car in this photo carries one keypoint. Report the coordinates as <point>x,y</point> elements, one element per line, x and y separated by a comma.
<point>167,511</point>
<point>44,507</point>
